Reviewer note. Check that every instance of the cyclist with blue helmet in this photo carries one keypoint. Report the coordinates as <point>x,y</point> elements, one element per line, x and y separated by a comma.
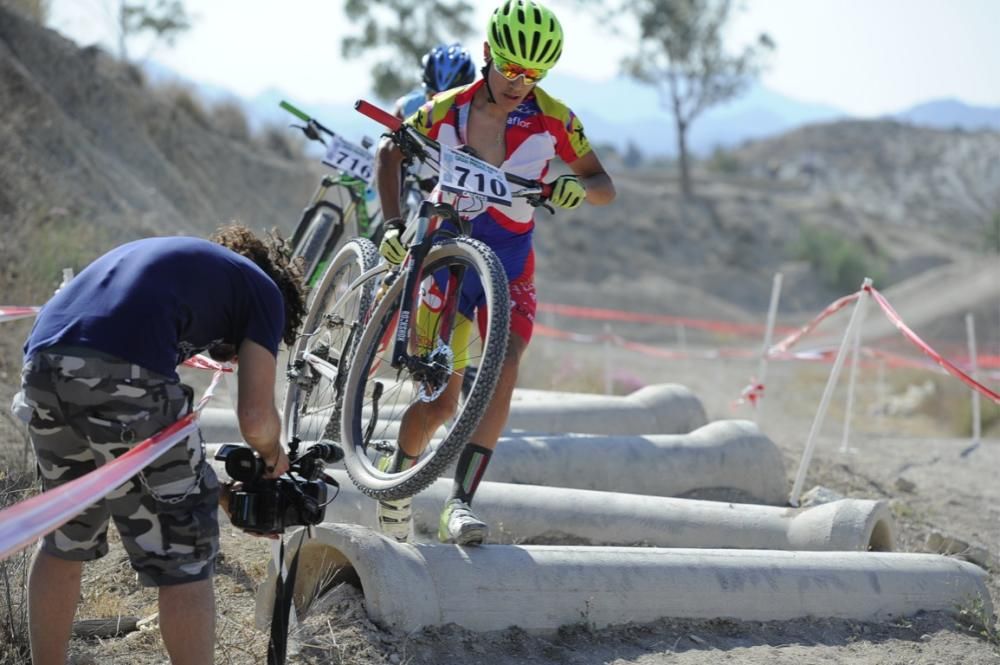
<point>445,66</point>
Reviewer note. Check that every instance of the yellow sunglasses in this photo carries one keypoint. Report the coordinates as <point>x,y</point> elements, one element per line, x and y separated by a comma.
<point>512,71</point>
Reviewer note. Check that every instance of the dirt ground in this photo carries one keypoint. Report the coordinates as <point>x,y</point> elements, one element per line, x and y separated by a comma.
<point>913,460</point>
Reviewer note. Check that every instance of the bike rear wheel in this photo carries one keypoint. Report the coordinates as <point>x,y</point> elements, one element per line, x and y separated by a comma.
<point>375,394</point>
<point>316,365</point>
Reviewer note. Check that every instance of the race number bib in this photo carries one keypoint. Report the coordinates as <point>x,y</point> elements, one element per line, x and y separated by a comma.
<point>464,174</point>
<point>350,159</point>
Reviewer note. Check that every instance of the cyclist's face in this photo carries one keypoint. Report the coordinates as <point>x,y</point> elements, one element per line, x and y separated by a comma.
<point>508,94</point>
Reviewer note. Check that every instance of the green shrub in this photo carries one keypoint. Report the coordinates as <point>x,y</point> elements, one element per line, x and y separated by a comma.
<point>989,415</point>
<point>723,162</point>
<point>840,261</point>
<point>47,243</point>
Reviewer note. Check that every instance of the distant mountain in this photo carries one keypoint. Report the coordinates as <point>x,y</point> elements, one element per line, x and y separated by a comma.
<point>620,111</point>
<point>951,114</point>
<point>643,121</point>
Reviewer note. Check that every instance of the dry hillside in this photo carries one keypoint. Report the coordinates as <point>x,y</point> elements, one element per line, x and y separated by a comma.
<point>92,157</point>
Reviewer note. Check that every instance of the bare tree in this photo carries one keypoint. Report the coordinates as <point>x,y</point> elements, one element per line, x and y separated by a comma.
<point>402,31</point>
<point>681,53</point>
<point>165,20</point>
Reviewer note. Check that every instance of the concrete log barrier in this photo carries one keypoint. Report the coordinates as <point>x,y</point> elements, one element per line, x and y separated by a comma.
<point>529,514</point>
<point>658,409</point>
<point>728,460</point>
<point>541,588</point>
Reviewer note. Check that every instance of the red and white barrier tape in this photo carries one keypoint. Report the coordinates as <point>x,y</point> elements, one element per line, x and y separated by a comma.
<point>600,314</point>
<point>204,362</point>
<point>8,313</point>
<point>795,337</point>
<point>926,348</point>
<point>24,522</point>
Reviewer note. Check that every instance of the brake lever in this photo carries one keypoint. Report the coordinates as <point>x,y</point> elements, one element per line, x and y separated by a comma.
<point>536,200</point>
<point>310,131</point>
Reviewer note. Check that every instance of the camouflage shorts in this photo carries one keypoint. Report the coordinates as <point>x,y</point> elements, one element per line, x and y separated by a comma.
<point>87,408</point>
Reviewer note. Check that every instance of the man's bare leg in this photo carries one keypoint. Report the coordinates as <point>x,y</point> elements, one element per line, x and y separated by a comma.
<point>187,622</point>
<point>53,591</point>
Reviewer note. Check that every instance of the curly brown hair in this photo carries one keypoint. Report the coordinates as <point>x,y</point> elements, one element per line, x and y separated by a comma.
<point>271,255</point>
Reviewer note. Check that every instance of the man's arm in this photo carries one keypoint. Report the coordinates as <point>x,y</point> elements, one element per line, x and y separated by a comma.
<point>593,177</point>
<point>260,424</point>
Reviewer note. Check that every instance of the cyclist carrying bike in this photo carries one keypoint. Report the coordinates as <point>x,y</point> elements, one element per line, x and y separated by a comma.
<point>445,66</point>
<point>510,122</point>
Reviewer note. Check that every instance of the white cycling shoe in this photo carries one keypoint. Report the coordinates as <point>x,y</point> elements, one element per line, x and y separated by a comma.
<point>460,525</point>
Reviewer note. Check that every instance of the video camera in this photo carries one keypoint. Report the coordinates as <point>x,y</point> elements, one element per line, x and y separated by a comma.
<point>269,506</point>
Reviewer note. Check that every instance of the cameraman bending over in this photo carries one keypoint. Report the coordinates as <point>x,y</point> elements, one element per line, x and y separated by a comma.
<point>100,376</point>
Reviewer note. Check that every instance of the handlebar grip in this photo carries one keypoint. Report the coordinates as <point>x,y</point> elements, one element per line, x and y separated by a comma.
<point>547,190</point>
<point>294,111</point>
<point>378,115</point>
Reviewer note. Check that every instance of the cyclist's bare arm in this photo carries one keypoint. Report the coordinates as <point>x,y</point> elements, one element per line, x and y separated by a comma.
<point>260,424</point>
<point>593,177</point>
<point>388,163</point>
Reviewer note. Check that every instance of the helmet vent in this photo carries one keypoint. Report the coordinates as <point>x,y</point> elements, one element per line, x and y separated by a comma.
<point>538,15</point>
<point>523,43</point>
<point>541,56</point>
<point>508,42</point>
<point>535,38</point>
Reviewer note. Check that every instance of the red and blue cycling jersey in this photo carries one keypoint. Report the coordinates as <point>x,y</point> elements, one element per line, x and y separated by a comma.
<point>539,129</point>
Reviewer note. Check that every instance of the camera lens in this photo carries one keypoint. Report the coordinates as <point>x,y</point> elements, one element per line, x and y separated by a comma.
<point>243,465</point>
<point>328,452</point>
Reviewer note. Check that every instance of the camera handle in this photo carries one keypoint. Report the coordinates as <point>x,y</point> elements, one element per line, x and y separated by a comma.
<point>284,592</point>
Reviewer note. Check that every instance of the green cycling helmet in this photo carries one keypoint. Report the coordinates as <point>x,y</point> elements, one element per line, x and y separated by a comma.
<point>526,33</point>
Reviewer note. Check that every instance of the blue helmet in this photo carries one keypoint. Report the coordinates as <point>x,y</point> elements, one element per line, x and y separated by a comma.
<point>448,66</point>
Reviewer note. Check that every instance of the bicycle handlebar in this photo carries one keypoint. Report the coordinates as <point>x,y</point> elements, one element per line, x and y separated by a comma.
<point>294,111</point>
<point>304,117</point>
<point>378,115</point>
<point>395,125</point>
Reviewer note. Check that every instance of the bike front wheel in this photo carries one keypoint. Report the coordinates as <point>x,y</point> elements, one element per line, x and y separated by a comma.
<point>317,364</point>
<point>376,395</point>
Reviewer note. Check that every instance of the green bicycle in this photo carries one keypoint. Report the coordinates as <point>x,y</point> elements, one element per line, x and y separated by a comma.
<point>343,206</point>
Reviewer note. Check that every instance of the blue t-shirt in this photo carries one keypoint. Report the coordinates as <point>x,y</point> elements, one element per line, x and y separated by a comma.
<point>158,301</point>
<point>411,102</point>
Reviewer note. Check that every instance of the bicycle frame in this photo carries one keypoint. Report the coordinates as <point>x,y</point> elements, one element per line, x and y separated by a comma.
<point>421,244</point>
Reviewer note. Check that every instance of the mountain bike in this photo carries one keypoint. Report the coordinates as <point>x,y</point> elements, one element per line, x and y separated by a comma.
<point>315,370</point>
<point>413,339</point>
<point>343,205</point>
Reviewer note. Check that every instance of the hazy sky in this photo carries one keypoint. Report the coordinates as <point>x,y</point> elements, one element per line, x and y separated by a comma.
<point>867,57</point>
